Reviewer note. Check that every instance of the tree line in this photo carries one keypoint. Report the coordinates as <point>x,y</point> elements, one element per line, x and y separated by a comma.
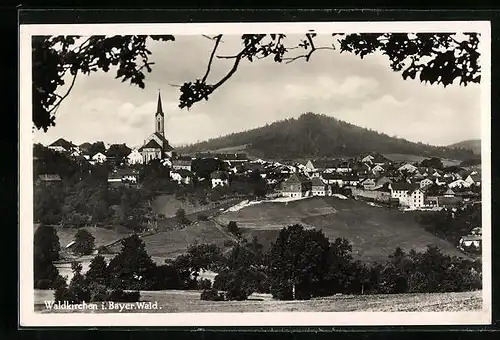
<point>300,264</point>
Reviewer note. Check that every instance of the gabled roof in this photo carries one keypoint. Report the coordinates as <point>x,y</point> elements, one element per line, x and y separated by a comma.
<point>152,144</point>
<point>316,182</point>
<point>476,177</point>
<point>219,175</point>
<point>63,143</point>
<point>329,176</point>
<point>297,178</point>
<point>325,163</point>
<point>166,145</point>
<point>449,192</point>
<point>403,186</point>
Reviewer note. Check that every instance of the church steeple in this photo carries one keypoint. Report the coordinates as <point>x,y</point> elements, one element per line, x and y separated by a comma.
<point>159,118</point>
<point>159,110</point>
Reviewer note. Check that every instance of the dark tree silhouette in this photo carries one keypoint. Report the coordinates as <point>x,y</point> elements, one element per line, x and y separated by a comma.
<point>437,58</point>
<point>84,242</point>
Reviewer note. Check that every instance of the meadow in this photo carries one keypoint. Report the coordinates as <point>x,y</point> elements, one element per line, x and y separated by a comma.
<point>189,301</point>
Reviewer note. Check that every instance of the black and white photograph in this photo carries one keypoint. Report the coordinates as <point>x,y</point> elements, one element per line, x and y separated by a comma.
<point>255,174</point>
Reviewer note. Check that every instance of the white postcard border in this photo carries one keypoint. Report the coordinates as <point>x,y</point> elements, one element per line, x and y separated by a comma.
<point>28,317</point>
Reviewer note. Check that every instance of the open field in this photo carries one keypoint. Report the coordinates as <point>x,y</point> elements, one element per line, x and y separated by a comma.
<point>374,232</point>
<point>172,243</point>
<point>189,301</point>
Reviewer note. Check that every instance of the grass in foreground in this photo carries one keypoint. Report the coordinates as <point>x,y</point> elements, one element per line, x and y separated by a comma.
<point>189,301</point>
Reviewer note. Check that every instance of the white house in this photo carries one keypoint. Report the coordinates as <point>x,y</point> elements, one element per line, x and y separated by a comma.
<point>369,184</point>
<point>181,176</point>
<point>183,163</point>
<point>408,168</point>
<point>319,188</point>
<point>449,193</point>
<point>474,179</point>
<point>219,178</point>
<point>426,182</point>
<point>470,240</point>
<point>377,169</point>
<point>368,159</point>
<point>134,157</point>
<point>416,199</point>
<point>99,158</point>
<point>401,191</point>
<point>459,183</point>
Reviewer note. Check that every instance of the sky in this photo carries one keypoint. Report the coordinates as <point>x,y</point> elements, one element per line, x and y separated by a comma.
<point>365,92</point>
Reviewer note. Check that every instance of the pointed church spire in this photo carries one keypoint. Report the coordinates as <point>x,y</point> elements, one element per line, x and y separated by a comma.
<point>159,109</point>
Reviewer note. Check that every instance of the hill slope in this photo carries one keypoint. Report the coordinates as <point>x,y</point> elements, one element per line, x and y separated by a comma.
<point>374,232</point>
<point>313,135</point>
<point>472,144</point>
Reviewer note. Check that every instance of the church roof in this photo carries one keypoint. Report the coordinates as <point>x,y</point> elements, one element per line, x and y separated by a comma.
<point>159,110</point>
<point>166,145</point>
<point>152,144</point>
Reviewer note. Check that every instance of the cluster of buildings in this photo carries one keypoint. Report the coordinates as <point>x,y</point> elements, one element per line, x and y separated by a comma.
<point>376,178</point>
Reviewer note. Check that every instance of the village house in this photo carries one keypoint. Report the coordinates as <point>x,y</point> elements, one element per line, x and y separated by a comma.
<point>377,169</point>
<point>232,158</point>
<point>350,180</point>
<point>319,188</point>
<point>470,241</point>
<point>99,158</point>
<point>402,191</point>
<point>426,182</point>
<point>459,183</point>
<point>449,193</point>
<point>369,184</point>
<point>184,163</point>
<point>48,179</point>
<point>322,165</point>
<point>181,176</point>
<point>344,167</point>
<point>474,179</point>
<point>134,157</point>
<point>384,180</point>
<point>296,186</point>
<point>85,148</point>
<point>62,145</point>
<point>416,199</point>
<point>367,159</point>
<point>332,178</point>
<point>122,176</point>
<point>407,167</point>
<point>219,178</point>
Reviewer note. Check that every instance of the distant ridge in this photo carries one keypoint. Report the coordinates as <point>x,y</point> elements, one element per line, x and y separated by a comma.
<point>472,144</point>
<point>315,135</point>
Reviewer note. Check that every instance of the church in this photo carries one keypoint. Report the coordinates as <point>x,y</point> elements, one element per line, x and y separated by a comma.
<point>156,146</point>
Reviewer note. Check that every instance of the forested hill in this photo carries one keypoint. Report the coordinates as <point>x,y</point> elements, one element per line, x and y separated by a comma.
<point>472,144</point>
<point>314,135</point>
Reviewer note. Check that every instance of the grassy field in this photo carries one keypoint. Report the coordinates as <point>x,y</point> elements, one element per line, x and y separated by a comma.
<point>171,243</point>
<point>374,232</point>
<point>189,301</point>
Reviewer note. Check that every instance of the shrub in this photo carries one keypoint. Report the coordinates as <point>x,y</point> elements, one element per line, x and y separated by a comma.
<point>119,295</point>
<point>205,284</point>
<point>212,295</point>
<point>98,293</point>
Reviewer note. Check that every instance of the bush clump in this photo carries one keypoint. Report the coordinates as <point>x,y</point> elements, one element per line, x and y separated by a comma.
<point>212,295</point>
